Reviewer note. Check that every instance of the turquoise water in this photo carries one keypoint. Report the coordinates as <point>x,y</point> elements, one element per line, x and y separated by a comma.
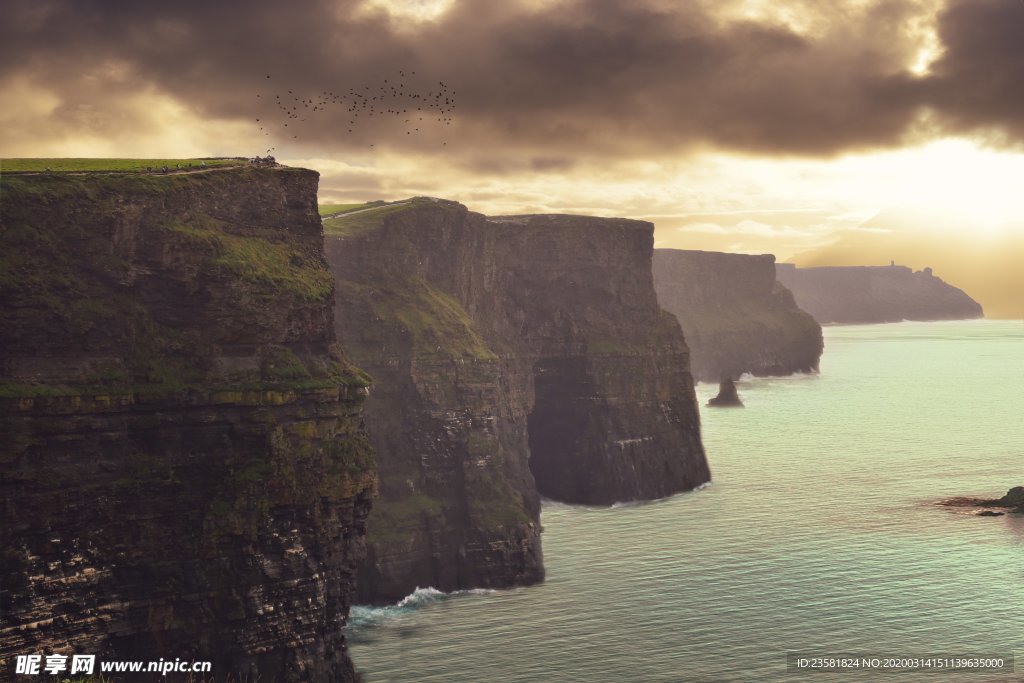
<point>817,535</point>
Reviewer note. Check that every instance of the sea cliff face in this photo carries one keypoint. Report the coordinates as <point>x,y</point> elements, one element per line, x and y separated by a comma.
<point>184,472</point>
<point>447,415</point>
<point>875,294</point>
<point>735,316</point>
<point>512,357</point>
<point>615,416</point>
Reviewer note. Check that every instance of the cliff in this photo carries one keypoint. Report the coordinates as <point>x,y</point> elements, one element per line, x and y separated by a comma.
<point>183,468</point>
<point>615,416</point>
<point>447,415</point>
<point>735,316</point>
<point>875,294</point>
<point>512,357</point>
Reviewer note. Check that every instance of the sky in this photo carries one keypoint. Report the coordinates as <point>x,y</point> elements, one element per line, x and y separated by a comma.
<point>823,132</point>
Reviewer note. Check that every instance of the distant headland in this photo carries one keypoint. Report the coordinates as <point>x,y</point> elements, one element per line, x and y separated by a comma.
<point>875,294</point>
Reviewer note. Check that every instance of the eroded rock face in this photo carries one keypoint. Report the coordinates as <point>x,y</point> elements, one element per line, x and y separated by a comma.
<point>615,416</point>
<point>875,294</point>
<point>184,471</point>
<point>447,415</point>
<point>1013,498</point>
<point>1013,502</point>
<point>511,356</point>
<point>727,396</point>
<point>735,316</point>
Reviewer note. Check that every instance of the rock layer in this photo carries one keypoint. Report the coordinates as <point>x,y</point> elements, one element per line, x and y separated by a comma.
<point>735,316</point>
<point>875,294</point>
<point>511,356</point>
<point>458,507</point>
<point>184,472</point>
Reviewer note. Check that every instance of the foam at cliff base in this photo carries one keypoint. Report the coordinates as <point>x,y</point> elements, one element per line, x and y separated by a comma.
<point>363,616</point>
<point>642,503</point>
<point>747,378</point>
<point>548,504</point>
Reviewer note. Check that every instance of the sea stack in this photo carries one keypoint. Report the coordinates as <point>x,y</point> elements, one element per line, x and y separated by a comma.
<point>1013,498</point>
<point>1013,502</point>
<point>727,395</point>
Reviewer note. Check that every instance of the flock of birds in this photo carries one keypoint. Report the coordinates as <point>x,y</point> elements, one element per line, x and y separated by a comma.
<point>395,98</point>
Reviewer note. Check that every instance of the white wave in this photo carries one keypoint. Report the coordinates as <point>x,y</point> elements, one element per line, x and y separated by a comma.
<point>420,596</point>
<point>637,503</point>
<point>748,377</point>
<point>655,501</point>
<point>361,616</point>
<point>796,376</point>
<point>547,504</point>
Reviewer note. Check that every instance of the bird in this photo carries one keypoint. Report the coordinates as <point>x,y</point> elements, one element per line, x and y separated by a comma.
<point>390,97</point>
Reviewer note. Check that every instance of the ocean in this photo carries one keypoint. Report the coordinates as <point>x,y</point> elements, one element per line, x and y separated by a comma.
<point>817,537</point>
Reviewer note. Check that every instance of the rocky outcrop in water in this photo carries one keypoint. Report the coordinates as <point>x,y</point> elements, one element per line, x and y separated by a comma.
<point>735,316</point>
<point>1013,498</point>
<point>1013,501</point>
<point>182,465</point>
<point>512,356</point>
<point>727,396</point>
<point>875,294</point>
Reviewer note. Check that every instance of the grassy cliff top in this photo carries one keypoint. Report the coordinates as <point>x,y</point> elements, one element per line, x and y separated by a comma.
<point>150,283</point>
<point>361,218</point>
<point>571,220</point>
<point>85,165</point>
<point>330,210</point>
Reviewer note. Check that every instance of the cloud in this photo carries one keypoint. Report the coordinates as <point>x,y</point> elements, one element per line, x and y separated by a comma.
<point>544,86</point>
<point>753,228</point>
<point>976,83</point>
<point>766,121</point>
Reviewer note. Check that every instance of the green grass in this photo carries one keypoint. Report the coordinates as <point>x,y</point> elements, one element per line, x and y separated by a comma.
<point>263,261</point>
<point>438,325</point>
<point>361,218</point>
<point>351,224</point>
<point>122,165</point>
<point>328,209</point>
<point>58,266</point>
<point>18,391</point>
<point>277,264</point>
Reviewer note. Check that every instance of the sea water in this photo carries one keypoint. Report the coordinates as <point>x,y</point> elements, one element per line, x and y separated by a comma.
<point>819,535</point>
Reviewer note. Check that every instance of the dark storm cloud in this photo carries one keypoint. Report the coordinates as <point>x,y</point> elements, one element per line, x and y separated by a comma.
<point>608,76</point>
<point>551,84</point>
<point>979,80</point>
